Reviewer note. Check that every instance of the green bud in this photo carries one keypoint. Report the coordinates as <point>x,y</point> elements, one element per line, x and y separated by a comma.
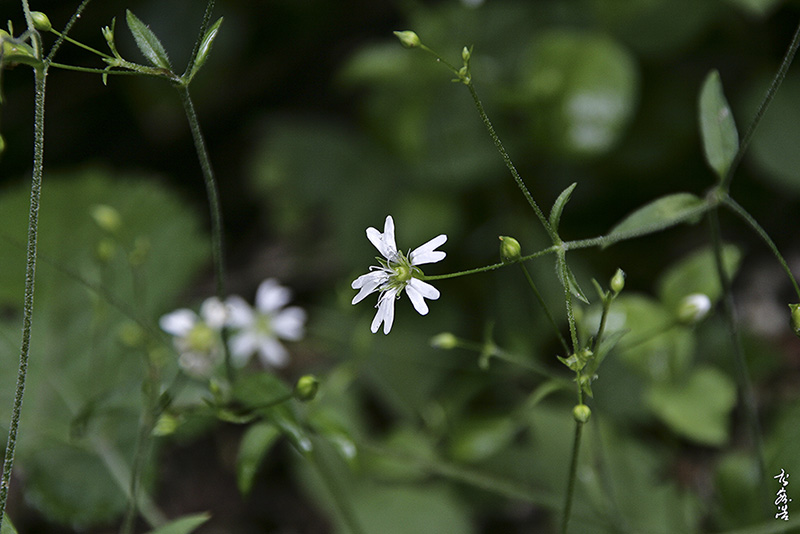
<point>577,361</point>
<point>618,281</point>
<point>445,340</point>
<point>13,51</point>
<point>465,55</point>
<point>167,424</point>
<point>408,39</point>
<point>40,21</point>
<point>131,335</point>
<point>107,218</point>
<point>2,143</point>
<point>306,388</point>
<point>694,308</point>
<point>795,319</point>
<point>510,249</point>
<point>581,413</point>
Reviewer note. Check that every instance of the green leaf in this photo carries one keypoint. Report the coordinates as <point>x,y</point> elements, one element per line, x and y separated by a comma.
<point>718,129</point>
<point>481,437</point>
<point>8,527</point>
<point>204,48</point>
<point>697,273</point>
<point>579,91</point>
<point>147,42</point>
<point>574,288</point>
<point>658,215</point>
<point>183,525</point>
<point>698,408</point>
<point>256,442</point>
<point>260,390</point>
<point>558,206</point>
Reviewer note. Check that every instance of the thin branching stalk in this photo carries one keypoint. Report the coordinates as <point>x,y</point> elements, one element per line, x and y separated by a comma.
<point>742,374</point>
<point>546,309</point>
<point>573,474</point>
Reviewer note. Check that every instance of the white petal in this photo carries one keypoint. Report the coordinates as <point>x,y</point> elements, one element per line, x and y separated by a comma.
<point>423,288</point>
<point>418,291</point>
<point>242,346</point>
<point>178,323</point>
<point>385,313</point>
<point>288,324</point>
<point>426,253</point>
<point>272,353</point>
<point>368,283</point>
<point>272,296</point>
<point>214,313</point>
<point>384,242</point>
<point>240,314</point>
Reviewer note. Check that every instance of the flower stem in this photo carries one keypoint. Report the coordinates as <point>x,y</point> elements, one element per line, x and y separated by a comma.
<point>510,165</point>
<point>762,108</point>
<point>77,43</point>
<point>487,268</point>
<point>573,473</point>
<point>543,304</point>
<point>750,220</point>
<point>30,276</point>
<point>742,374</point>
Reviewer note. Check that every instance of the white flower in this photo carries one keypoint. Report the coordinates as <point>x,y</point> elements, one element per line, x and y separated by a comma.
<point>261,328</point>
<point>395,273</point>
<point>197,337</point>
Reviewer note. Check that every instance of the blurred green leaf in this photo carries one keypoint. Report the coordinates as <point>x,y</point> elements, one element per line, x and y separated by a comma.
<point>738,484</point>
<point>697,273</point>
<point>257,440</point>
<point>480,437</point>
<point>80,372</point>
<point>183,525</point>
<point>257,390</point>
<point>699,408</point>
<point>8,527</point>
<point>148,43</point>
<point>580,90</point>
<point>758,7</point>
<point>658,215</point>
<point>718,129</point>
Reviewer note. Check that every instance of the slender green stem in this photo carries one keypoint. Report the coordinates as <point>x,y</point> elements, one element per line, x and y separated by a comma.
<point>544,306</point>
<point>750,220</point>
<point>61,38</point>
<point>573,330</point>
<point>510,165</point>
<point>762,108</point>
<point>487,268</point>
<point>201,34</point>
<point>573,473</point>
<point>30,276</point>
<point>742,374</point>
<point>78,43</point>
<point>93,70</point>
<point>212,193</point>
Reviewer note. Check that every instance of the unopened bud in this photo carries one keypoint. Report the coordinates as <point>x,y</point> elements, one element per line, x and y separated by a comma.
<point>465,54</point>
<point>306,388</point>
<point>445,340</point>
<point>618,281</point>
<point>795,318</point>
<point>510,249</point>
<point>694,308</point>
<point>581,413</point>
<point>408,38</point>
<point>40,21</point>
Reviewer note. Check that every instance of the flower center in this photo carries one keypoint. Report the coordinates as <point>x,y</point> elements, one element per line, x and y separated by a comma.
<point>201,338</point>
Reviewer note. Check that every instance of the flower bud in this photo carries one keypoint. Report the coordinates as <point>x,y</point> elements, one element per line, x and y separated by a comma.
<point>107,218</point>
<point>306,388</point>
<point>618,281</point>
<point>445,341</point>
<point>694,308</point>
<point>465,54</point>
<point>166,425</point>
<point>795,318</point>
<point>40,21</point>
<point>105,250</point>
<point>408,39</point>
<point>581,413</point>
<point>510,249</point>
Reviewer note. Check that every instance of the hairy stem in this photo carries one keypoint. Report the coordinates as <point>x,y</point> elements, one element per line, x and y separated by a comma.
<point>573,473</point>
<point>30,276</point>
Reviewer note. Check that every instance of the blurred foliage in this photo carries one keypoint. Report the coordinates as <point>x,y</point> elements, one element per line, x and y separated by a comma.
<point>320,124</point>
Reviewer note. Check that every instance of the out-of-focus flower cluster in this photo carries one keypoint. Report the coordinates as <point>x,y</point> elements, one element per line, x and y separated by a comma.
<point>252,330</point>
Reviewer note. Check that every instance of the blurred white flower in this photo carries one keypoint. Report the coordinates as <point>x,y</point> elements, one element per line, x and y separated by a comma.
<point>396,273</point>
<point>197,337</point>
<point>261,328</point>
<point>694,308</point>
